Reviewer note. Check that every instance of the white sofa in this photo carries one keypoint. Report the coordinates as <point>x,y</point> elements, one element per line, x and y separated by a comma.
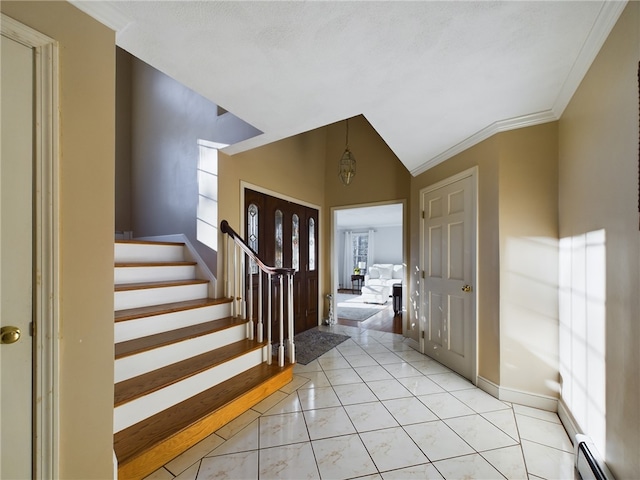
<point>379,281</point>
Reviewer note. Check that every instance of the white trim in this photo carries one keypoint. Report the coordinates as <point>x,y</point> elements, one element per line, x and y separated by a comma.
<point>543,402</point>
<point>488,386</point>
<point>470,172</point>
<point>520,397</point>
<point>46,304</point>
<point>244,185</point>
<point>473,173</point>
<point>607,18</point>
<point>566,417</point>
<point>496,127</point>
<point>334,281</point>
<point>213,145</point>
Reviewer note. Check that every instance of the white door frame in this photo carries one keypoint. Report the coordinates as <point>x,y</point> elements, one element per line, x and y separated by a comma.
<point>243,226</point>
<point>473,173</point>
<point>334,268</point>
<point>46,298</point>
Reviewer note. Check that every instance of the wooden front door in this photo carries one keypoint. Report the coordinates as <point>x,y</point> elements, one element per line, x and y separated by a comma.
<point>285,235</point>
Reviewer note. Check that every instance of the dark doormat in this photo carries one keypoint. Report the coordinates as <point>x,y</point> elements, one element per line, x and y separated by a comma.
<point>312,343</point>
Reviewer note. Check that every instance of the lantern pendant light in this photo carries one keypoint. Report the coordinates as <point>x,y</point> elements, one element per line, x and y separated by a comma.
<point>347,162</point>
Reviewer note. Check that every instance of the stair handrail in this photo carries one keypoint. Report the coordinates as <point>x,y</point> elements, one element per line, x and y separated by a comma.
<point>240,305</point>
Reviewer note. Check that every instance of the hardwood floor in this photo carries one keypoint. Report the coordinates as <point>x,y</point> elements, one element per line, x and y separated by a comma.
<point>385,321</point>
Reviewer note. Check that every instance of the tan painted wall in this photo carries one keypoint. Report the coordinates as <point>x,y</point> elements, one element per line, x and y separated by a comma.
<point>380,178</point>
<point>485,156</point>
<point>293,167</point>
<point>305,168</point>
<point>87,103</point>
<point>598,178</point>
<point>517,201</point>
<point>528,190</point>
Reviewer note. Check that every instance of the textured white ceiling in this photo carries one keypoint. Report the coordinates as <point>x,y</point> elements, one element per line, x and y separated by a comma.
<point>432,77</point>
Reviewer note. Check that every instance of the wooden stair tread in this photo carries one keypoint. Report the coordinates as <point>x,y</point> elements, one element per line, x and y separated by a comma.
<point>136,387</point>
<point>166,283</point>
<point>143,436</point>
<point>149,242</point>
<point>150,311</point>
<point>143,344</point>
<point>155,264</point>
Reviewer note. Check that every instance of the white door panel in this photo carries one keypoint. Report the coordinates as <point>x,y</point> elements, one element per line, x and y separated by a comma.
<point>449,266</point>
<point>16,194</point>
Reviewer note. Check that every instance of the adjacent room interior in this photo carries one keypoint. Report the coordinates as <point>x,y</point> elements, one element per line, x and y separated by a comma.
<point>368,268</point>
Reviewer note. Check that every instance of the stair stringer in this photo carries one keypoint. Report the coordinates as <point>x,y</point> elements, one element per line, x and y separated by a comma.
<point>152,455</point>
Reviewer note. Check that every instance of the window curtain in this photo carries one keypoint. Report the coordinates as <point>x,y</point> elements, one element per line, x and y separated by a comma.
<point>347,262</point>
<point>371,249</point>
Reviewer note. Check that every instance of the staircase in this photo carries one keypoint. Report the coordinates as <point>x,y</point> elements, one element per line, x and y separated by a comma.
<point>184,365</point>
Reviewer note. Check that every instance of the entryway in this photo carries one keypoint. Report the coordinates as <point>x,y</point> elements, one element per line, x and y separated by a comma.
<point>363,237</point>
<point>285,234</point>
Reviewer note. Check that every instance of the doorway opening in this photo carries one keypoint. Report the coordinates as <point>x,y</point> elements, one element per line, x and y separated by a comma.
<point>368,267</point>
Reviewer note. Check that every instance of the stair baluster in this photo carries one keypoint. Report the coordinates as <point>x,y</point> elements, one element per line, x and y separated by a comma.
<point>242,291</point>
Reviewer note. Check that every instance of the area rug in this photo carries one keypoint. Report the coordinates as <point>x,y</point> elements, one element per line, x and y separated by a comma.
<point>312,343</point>
<point>352,307</point>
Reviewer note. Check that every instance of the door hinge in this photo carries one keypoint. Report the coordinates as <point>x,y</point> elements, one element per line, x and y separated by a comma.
<point>423,214</point>
<point>423,274</point>
<point>422,333</point>
<point>32,329</point>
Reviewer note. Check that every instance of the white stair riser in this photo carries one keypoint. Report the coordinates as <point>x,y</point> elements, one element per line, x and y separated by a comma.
<point>126,275</point>
<point>144,407</point>
<point>142,327</point>
<point>146,297</point>
<point>141,252</point>
<point>134,365</point>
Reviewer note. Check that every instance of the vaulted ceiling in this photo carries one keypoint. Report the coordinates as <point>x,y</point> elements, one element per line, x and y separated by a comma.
<point>432,77</point>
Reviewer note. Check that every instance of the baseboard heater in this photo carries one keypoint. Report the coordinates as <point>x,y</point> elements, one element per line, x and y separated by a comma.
<point>589,464</point>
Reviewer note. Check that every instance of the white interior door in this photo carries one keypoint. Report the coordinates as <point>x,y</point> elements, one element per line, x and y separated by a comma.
<point>449,326</point>
<point>16,199</point>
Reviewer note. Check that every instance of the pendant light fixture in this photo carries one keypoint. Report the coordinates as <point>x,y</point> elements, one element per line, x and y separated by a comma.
<point>347,162</point>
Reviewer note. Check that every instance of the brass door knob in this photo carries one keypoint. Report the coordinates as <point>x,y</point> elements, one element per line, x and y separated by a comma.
<point>466,288</point>
<point>9,334</point>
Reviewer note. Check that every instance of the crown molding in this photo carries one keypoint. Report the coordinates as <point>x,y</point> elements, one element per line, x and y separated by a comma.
<point>604,23</point>
<point>104,12</point>
<point>609,14</point>
<point>496,127</point>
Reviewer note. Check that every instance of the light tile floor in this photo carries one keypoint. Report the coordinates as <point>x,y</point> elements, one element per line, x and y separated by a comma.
<point>373,408</point>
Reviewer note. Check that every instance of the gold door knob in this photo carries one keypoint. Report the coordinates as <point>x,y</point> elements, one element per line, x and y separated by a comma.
<point>9,334</point>
<point>466,288</point>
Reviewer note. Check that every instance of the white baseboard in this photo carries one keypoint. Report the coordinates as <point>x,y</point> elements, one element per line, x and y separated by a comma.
<point>543,402</point>
<point>570,424</point>
<point>488,386</point>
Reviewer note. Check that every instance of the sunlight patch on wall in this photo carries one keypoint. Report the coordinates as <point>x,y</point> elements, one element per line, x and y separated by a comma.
<point>207,213</point>
<point>529,315</point>
<point>582,300</point>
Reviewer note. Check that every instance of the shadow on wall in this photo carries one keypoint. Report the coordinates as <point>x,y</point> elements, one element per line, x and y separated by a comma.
<point>169,191</point>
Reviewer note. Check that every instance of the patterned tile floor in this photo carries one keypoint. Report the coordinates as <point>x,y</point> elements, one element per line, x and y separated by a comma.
<point>374,408</point>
